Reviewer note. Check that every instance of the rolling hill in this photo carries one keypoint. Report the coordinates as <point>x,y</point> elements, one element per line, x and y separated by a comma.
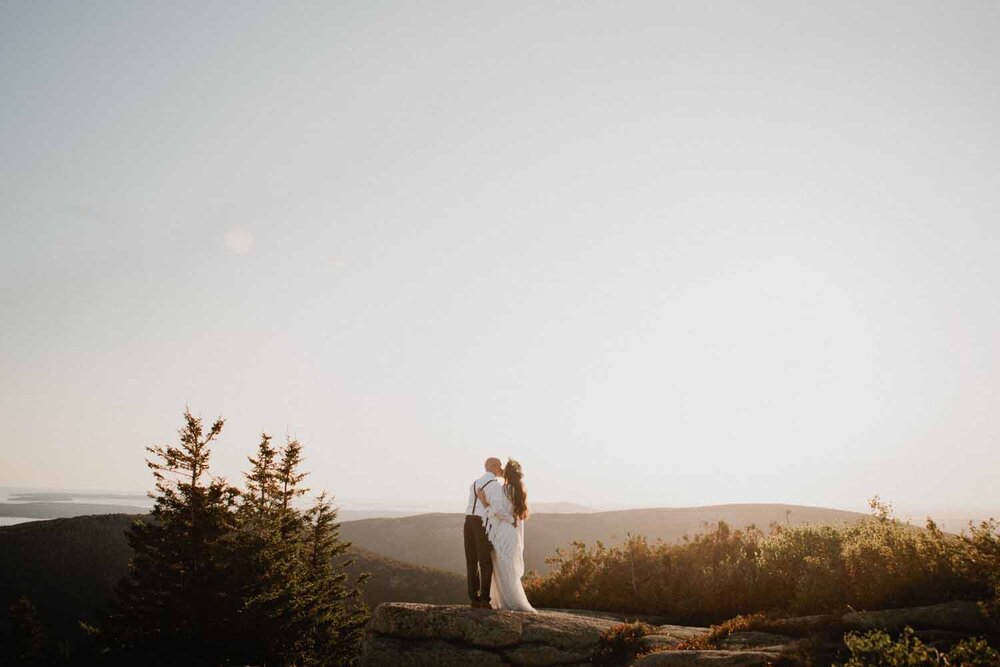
<point>436,539</point>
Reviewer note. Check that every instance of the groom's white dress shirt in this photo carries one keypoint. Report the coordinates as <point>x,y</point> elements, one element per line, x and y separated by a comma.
<point>474,506</point>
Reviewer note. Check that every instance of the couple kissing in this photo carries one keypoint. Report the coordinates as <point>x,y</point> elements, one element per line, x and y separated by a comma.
<point>494,537</point>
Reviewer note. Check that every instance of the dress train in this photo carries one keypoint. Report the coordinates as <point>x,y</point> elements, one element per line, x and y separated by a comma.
<point>506,590</point>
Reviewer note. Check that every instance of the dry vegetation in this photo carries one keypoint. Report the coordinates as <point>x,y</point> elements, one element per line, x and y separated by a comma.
<point>724,572</point>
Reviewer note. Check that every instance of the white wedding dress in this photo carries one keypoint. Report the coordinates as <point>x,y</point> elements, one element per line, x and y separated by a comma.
<point>506,591</point>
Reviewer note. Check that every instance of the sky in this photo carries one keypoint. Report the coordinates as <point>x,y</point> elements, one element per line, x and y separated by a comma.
<point>664,254</point>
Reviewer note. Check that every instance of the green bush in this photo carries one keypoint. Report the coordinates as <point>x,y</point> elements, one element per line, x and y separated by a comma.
<point>878,649</point>
<point>975,652</point>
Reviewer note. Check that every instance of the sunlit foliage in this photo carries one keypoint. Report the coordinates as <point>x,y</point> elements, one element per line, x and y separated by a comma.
<point>878,563</point>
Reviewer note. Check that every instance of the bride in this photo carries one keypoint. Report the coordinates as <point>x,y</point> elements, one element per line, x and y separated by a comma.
<point>506,511</point>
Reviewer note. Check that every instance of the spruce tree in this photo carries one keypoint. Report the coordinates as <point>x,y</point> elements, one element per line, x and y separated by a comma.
<point>176,605</point>
<point>291,523</point>
<point>288,476</point>
<point>261,491</point>
<point>23,641</point>
<point>265,559</point>
<point>222,576</point>
<point>303,610</point>
<point>336,613</point>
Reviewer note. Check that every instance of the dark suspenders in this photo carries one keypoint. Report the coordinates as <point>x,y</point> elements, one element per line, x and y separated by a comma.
<point>475,496</point>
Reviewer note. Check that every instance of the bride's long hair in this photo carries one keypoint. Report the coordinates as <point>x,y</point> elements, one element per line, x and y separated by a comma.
<point>514,488</point>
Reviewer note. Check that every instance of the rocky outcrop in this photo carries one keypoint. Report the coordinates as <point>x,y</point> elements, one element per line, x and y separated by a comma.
<point>409,635</point>
<point>412,635</point>
<point>405,635</point>
<point>669,636</point>
<point>956,616</point>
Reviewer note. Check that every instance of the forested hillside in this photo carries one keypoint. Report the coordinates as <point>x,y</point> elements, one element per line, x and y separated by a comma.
<point>68,567</point>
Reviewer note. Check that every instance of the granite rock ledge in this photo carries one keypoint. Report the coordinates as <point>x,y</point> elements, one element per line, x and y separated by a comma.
<point>404,634</point>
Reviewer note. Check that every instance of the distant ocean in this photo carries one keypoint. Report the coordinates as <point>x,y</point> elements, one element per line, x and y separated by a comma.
<point>11,520</point>
<point>21,504</point>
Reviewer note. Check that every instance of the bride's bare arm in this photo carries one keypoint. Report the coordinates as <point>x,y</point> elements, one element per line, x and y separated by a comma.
<point>493,510</point>
<point>499,514</point>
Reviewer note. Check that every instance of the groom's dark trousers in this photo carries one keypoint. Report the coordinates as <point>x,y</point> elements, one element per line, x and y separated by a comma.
<point>478,559</point>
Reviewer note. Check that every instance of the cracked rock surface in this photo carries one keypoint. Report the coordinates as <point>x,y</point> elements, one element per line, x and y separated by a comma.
<point>404,634</point>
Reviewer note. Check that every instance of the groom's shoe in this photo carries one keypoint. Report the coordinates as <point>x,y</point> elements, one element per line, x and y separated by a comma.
<point>480,604</point>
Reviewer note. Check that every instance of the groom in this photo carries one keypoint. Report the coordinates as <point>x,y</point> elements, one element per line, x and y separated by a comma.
<point>478,551</point>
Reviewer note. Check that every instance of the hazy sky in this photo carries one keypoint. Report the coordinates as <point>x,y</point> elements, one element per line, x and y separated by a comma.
<point>663,253</point>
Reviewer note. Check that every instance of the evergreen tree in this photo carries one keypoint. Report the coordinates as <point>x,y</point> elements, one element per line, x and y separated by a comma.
<point>335,611</point>
<point>297,606</point>
<point>289,478</point>
<point>223,576</point>
<point>299,603</point>
<point>266,557</point>
<point>290,526</point>
<point>176,605</point>
<point>261,492</point>
<point>24,642</point>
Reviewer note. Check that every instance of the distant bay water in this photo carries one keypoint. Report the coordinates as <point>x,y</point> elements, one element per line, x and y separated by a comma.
<point>12,520</point>
<point>19,504</point>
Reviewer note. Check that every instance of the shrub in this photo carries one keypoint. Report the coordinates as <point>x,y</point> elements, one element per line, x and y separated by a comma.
<point>879,562</point>
<point>878,649</point>
<point>620,643</point>
<point>974,652</point>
